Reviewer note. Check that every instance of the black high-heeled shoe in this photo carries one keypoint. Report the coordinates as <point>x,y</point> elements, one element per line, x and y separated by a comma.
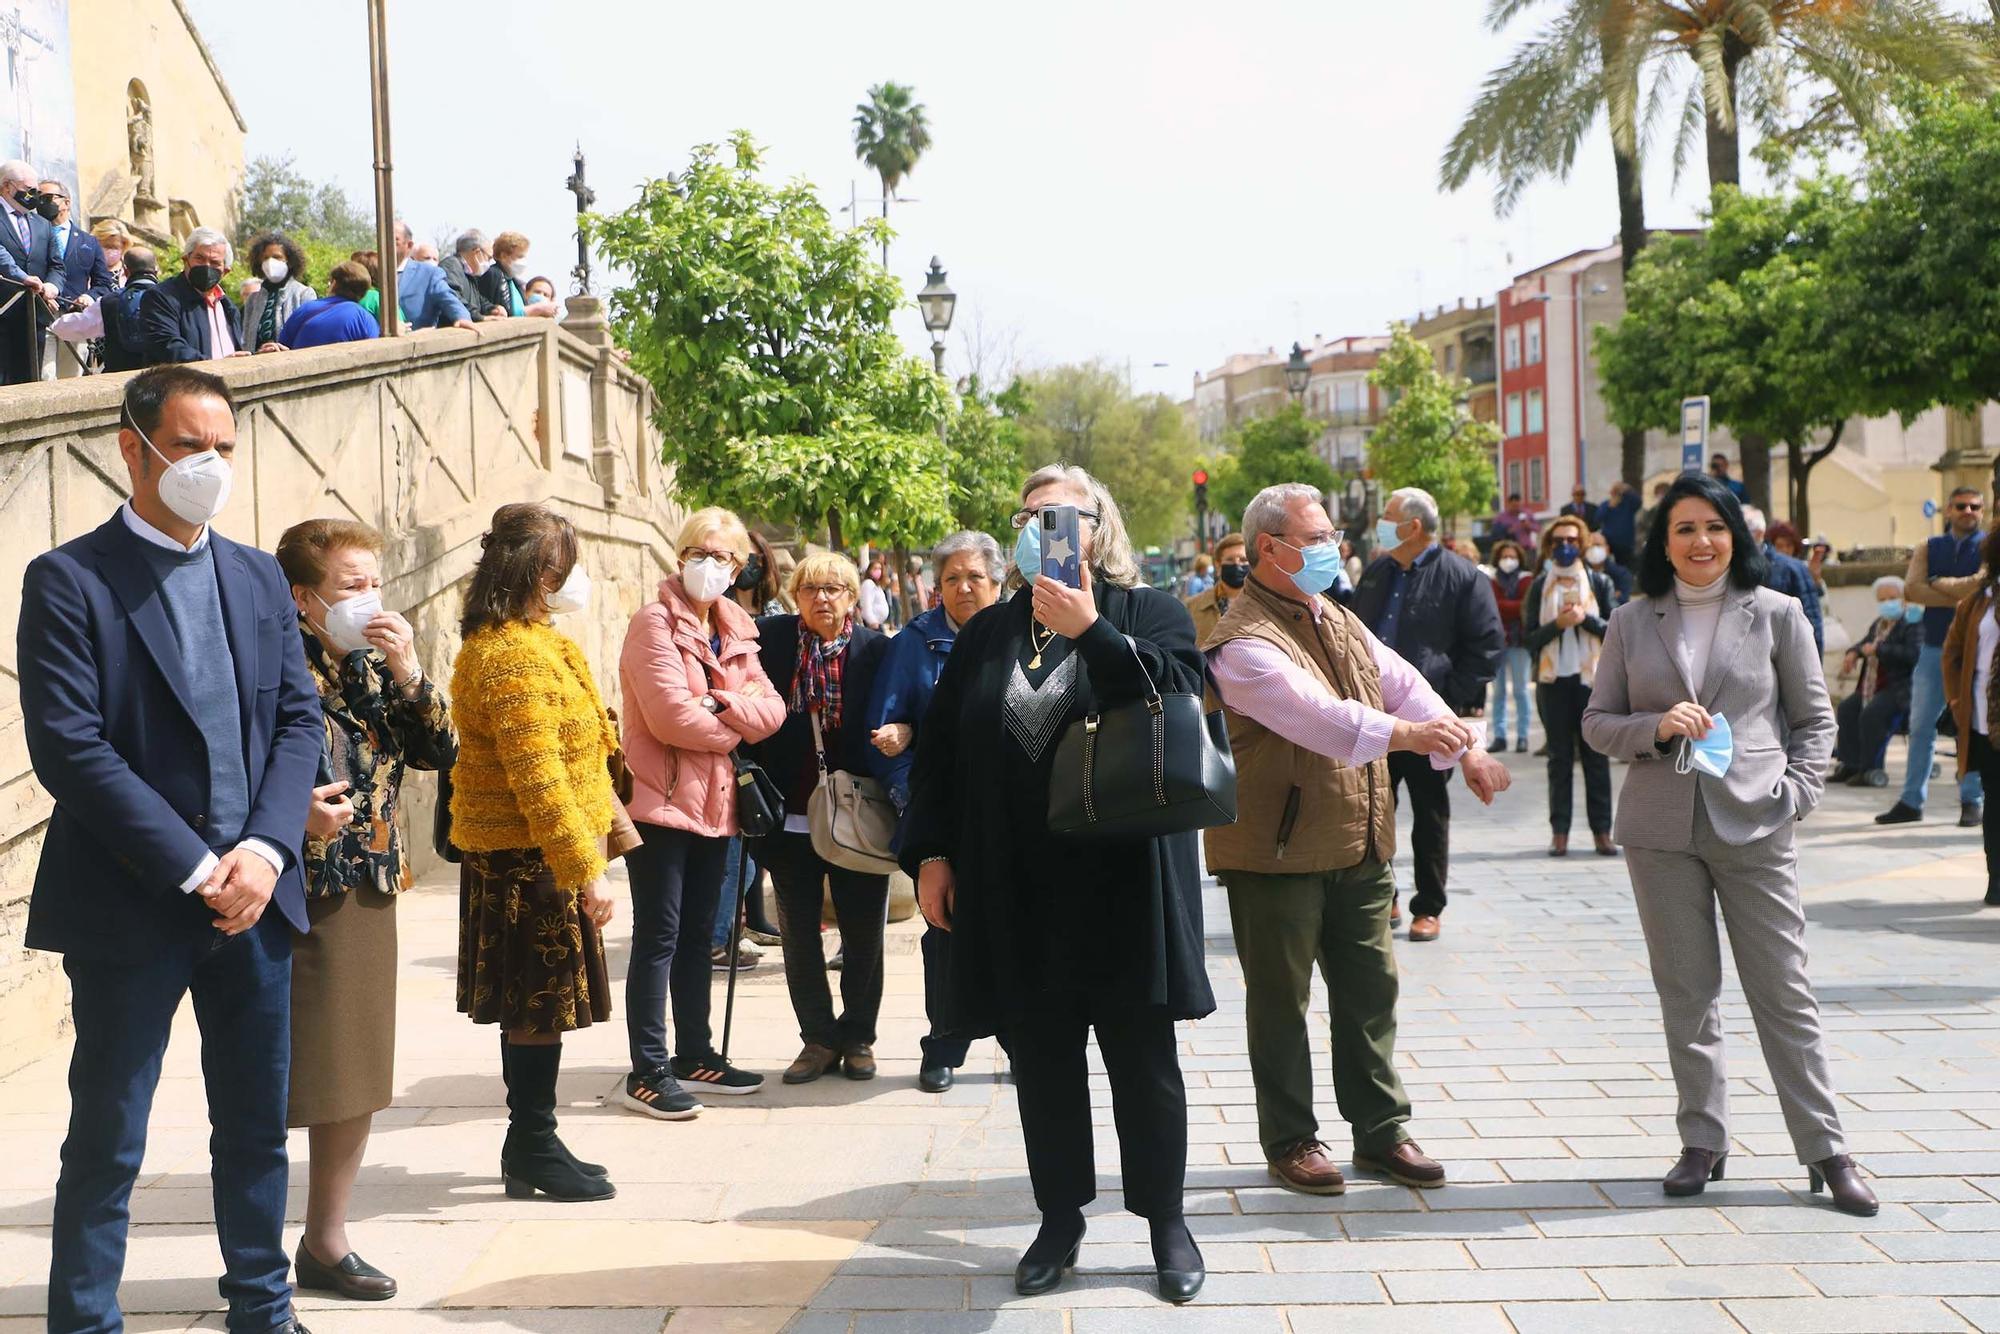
<point>1691,1175</point>
<point>1035,1275</point>
<point>1842,1182</point>
<point>1179,1280</point>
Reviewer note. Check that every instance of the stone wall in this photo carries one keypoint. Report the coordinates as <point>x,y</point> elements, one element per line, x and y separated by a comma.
<point>423,437</point>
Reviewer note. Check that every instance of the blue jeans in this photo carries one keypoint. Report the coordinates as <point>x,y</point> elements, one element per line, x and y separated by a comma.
<point>732,894</point>
<point>1511,678</point>
<point>1927,703</point>
<point>123,1009</point>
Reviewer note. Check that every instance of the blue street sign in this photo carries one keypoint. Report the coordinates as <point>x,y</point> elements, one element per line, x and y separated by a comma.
<point>1694,433</point>
<point>1930,509</point>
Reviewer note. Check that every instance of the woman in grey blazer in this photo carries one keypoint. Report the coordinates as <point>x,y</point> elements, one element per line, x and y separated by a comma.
<point>1711,686</point>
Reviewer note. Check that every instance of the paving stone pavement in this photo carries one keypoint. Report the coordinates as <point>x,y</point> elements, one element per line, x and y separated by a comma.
<point>1530,1044</point>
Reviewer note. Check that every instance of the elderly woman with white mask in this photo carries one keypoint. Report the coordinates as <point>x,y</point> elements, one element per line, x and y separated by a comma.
<point>694,691</point>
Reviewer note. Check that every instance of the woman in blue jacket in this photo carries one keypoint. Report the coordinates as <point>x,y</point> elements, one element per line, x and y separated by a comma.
<point>969,571</point>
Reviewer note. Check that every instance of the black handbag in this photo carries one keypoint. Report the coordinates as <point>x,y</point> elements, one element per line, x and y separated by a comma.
<point>760,803</point>
<point>1159,765</point>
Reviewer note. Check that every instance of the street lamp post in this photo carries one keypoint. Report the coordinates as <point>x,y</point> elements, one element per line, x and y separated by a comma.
<point>1298,371</point>
<point>937,301</point>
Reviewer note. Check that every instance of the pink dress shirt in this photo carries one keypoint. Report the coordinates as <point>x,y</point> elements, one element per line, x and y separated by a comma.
<point>1265,686</point>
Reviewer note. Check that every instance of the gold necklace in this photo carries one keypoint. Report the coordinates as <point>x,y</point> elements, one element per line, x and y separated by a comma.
<point>1034,635</point>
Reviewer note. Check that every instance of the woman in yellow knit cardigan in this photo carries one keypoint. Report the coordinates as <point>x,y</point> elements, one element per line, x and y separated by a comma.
<point>531,802</point>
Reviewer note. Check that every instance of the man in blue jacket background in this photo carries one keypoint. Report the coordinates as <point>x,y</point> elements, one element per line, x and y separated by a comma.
<point>170,715</point>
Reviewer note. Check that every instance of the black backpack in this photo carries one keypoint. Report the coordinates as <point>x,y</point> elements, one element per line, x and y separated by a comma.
<point>124,342</point>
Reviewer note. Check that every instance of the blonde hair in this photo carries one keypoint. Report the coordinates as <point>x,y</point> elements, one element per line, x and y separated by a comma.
<point>110,229</point>
<point>714,519</point>
<point>824,566</point>
<point>1111,555</point>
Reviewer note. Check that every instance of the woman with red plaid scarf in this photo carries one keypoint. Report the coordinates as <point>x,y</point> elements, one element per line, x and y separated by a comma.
<point>822,662</point>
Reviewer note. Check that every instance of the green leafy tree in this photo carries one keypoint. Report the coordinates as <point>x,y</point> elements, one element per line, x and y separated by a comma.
<point>891,132</point>
<point>325,223</point>
<point>1745,313</point>
<point>1265,452</point>
<point>765,331</point>
<point>1424,438</point>
<point>1137,445</point>
<point>986,462</point>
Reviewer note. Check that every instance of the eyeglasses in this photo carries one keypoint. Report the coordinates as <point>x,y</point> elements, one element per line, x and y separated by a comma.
<point>1968,506</point>
<point>823,590</point>
<point>703,553</point>
<point>1323,538</point>
<point>1021,517</point>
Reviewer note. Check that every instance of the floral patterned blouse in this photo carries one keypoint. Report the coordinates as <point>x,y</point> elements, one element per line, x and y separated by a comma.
<point>373,733</point>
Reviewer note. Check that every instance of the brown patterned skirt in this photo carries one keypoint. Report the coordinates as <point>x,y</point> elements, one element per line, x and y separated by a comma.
<point>528,957</point>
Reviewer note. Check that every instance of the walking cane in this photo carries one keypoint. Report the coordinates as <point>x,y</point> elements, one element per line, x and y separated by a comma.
<point>735,940</point>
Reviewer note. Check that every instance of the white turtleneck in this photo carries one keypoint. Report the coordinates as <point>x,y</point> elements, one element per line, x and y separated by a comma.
<point>1701,609</point>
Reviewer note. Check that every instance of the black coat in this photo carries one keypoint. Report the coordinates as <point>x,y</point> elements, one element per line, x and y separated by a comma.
<point>787,754</point>
<point>464,286</point>
<point>1896,651</point>
<point>1130,908</point>
<point>173,319</point>
<point>1449,628</point>
<point>1536,633</point>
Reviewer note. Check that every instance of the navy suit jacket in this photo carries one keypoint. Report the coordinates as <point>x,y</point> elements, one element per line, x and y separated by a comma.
<point>39,259</point>
<point>111,739</point>
<point>425,297</point>
<point>173,323</point>
<point>1793,576</point>
<point>84,269</point>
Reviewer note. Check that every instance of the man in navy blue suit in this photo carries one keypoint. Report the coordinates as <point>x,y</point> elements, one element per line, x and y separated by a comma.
<point>86,274</point>
<point>28,256</point>
<point>170,714</point>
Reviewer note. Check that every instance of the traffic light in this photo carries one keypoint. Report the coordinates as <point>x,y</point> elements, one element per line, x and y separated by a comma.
<point>1201,488</point>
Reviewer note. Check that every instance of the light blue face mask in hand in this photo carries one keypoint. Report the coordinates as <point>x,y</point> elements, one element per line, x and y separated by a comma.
<point>1711,754</point>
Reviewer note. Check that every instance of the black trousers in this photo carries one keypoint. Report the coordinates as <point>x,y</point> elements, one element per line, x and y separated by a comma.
<point>861,909</point>
<point>1561,704</point>
<point>1148,1101</point>
<point>1430,826</point>
<point>939,1047</point>
<point>676,884</point>
<point>1864,729</point>
<point>1986,763</point>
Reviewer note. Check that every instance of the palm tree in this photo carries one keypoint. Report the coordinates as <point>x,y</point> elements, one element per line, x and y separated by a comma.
<point>1533,113</point>
<point>891,132</point>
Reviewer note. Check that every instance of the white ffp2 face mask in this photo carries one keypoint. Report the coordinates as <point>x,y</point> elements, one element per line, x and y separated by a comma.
<point>346,621</point>
<point>276,270</point>
<point>197,487</point>
<point>573,596</point>
<point>707,579</point>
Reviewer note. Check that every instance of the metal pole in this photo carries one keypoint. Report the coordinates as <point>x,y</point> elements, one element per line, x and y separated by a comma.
<point>937,353</point>
<point>385,199</point>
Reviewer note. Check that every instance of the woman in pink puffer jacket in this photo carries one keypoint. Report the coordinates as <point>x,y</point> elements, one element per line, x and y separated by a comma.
<point>694,690</point>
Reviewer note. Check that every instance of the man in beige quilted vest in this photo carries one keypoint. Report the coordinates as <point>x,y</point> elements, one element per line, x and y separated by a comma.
<point>1315,703</point>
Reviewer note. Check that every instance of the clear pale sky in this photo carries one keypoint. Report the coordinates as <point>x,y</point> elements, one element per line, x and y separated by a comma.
<point>1158,182</point>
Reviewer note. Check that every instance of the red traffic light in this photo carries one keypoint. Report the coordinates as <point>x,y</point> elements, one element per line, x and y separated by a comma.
<point>1201,477</point>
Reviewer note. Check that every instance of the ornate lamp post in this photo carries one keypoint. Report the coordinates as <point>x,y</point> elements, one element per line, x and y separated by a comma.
<point>585,197</point>
<point>937,301</point>
<point>1298,371</point>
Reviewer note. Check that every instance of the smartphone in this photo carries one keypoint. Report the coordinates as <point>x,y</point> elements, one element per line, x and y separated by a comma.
<point>1060,560</point>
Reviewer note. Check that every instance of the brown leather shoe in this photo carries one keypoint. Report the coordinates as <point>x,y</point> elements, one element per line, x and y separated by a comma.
<point>1308,1167</point>
<point>1691,1175</point>
<point>353,1278</point>
<point>1424,928</point>
<point>812,1062</point>
<point>860,1061</point>
<point>1842,1180</point>
<point>1559,845</point>
<point>1405,1163</point>
<point>1605,847</point>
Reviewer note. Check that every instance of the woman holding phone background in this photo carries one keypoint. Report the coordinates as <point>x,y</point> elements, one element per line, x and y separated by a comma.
<point>1562,626</point>
<point>1012,894</point>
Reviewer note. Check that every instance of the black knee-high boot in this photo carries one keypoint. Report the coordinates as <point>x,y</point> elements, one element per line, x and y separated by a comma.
<point>506,1055</point>
<point>532,1158</point>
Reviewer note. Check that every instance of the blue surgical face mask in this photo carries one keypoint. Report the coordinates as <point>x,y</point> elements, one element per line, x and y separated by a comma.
<point>1565,553</point>
<point>1385,534</point>
<point>1889,609</point>
<point>1913,614</point>
<point>1711,754</point>
<point>1028,550</point>
<point>1321,568</point>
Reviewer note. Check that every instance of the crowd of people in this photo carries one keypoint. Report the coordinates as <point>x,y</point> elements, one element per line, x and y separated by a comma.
<point>94,299</point>
<point>226,735</point>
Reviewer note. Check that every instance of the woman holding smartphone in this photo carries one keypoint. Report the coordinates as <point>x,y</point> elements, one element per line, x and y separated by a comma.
<point>1012,894</point>
<point>1562,623</point>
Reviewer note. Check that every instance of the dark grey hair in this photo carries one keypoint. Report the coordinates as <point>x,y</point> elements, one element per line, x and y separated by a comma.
<point>1269,509</point>
<point>980,544</point>
<point>1418,504</point>
<point>202,236</point>
<point>468,242</point>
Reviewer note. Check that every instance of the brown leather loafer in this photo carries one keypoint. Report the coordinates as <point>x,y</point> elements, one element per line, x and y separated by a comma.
<point>1843,1183</point>
<point>1605,847</point>
<point>1405,1163</point>
<point>1424,928</point>
<point>353,1278</point>
<point>812,1062</point>
<point>1559,845</point>
<point>1691,1175</point>
<point>1308,1168</point>
<point>860,1061</point>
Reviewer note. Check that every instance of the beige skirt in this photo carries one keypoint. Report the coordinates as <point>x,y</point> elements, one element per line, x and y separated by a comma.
<point>344,1009</point>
